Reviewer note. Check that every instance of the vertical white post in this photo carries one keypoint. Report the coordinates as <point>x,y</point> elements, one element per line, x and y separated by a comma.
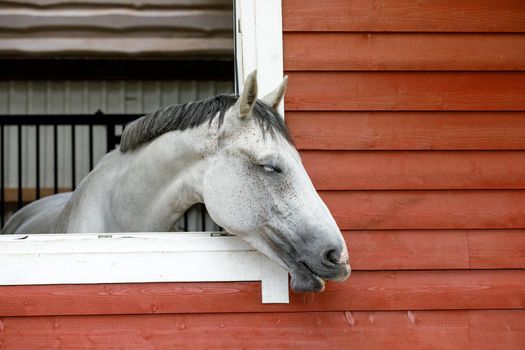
<point>274,282</point>
<point>269,45</point>
<point>259,40</point>
<point>246,41</point>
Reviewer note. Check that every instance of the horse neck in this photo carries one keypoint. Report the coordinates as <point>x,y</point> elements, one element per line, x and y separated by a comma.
<point>163,180</point>
<point>147,189</point>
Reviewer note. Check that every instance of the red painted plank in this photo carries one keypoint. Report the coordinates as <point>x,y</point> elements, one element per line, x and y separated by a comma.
<point>391,170</point>
<point>423,91</point>
<point>331,330</point>
<point>436,249</point>
<point>364,290</point>
<point>505,251</point>
<point>475,289</point>
<point>427,209</point>
<point>486,330</point>
<point>403,51</point>
<point>407,130</point>
<point>404,15</point>
<point>409,249</point>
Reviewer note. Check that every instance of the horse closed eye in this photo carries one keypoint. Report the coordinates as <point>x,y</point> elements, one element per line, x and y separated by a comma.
<point>271,168</point>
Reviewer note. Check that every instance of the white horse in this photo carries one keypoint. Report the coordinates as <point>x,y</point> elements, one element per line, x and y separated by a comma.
<point>233,154</point>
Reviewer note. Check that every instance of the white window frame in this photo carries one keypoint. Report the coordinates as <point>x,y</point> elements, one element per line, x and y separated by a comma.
<point>259,43</point>
<point>165,257</point>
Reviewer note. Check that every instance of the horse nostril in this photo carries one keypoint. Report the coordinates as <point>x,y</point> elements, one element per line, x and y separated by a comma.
<point>331,257</point>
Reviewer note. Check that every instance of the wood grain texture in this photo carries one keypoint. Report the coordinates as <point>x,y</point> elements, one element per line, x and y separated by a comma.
<point>328,330</point>
<point>435,249</point>
<point>423,91</point>
<point>427,209</point>
<point>403,51</point>
<point>394,170</point>
<point>505,251</point>
<point>408,249</point>
<point>407,130</point>
<point>404,16</point>
<point>364,290</point>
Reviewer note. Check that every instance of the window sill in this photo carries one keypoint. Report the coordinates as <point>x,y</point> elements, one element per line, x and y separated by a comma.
<point>138,257</point>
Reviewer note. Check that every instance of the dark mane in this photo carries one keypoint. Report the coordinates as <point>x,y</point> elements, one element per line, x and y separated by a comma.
<point>192,114</point>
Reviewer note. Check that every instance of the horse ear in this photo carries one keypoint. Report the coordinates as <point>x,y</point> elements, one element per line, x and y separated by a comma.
<point>275,97</point>
<point>249,95</point>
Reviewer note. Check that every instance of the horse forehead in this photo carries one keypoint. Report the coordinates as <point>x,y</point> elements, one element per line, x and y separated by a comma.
<point>267,143</point>
<point>250,136</point>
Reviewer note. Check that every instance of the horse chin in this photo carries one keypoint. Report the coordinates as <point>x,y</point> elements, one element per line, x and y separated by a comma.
<point>305,281</point>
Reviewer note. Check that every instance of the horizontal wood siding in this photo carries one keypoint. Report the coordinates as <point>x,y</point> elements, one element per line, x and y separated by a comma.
<point>365,290</point>
<point>436,249</point>
<point>404,16</point>
<point>402,130</point>
<point>415,170</point>
<point>458,209</point>
<point>404,51</point>
<point>406,91</point>
<point>326,330</point>
<point>409,117</point>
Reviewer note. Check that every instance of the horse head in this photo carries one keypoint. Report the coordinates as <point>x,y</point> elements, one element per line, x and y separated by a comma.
<point>256,187</point>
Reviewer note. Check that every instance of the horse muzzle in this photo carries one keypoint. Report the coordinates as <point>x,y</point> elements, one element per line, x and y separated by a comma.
<point>335,264</point>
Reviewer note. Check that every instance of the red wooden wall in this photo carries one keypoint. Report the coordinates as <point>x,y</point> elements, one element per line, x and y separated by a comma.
<point>410,119</point>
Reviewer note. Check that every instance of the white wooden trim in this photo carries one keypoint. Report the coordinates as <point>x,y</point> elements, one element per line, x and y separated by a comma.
<point>138,257</point>
<point>245,36</point>
<point>164,257</point>
<point>259,38</point>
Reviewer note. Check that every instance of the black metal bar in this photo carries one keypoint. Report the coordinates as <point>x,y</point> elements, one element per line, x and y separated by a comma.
<point>116,69</point>
<point>98,118</point>
<point>2,179</point>
<point>37,160</point>
<point>90,147</point>
<point>235,49</point>
<point>20,167</point>
<point>186,222</point>
<point>73,158</point>
<point>55,157</point>
<point>203,217</point>
<point>110,137</point>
